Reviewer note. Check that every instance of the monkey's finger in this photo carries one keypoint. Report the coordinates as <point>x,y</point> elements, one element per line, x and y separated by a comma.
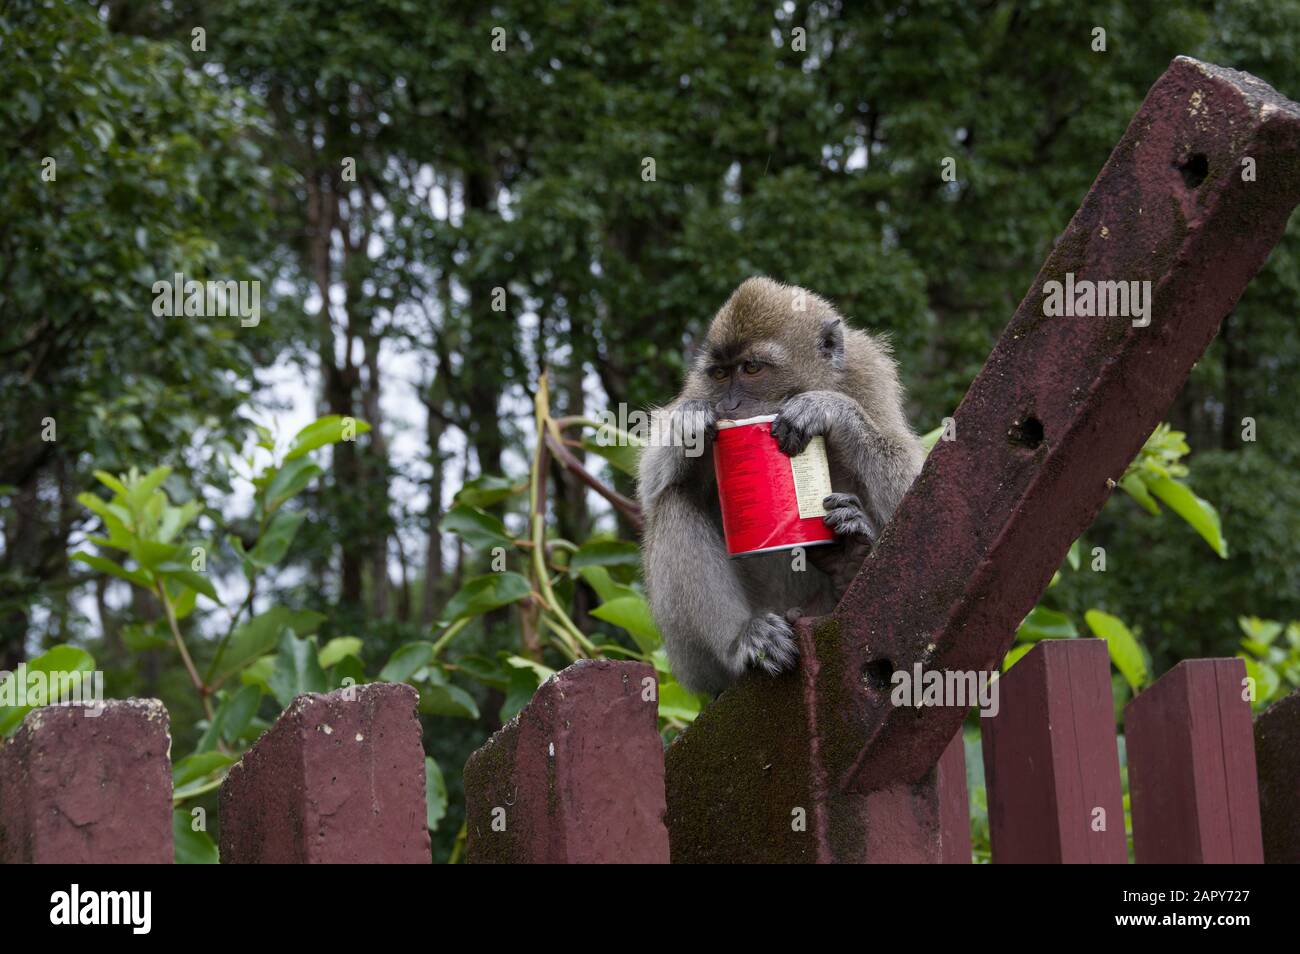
<point>790,438</point>
<point>837,501</point>
<point>847,522</point>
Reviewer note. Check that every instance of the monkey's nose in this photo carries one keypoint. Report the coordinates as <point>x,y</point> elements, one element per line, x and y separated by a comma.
<point>727,406</point>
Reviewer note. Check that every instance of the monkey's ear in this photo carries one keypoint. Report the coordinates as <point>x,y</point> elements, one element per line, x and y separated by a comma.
<point>830,342</point>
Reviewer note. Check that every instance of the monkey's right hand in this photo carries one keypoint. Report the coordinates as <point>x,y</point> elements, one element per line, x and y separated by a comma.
<point>678,442</point>
<point>767,642</point>
<point>692,425</point>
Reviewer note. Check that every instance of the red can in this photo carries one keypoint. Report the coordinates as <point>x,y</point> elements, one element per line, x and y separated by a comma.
<point>769,501</point>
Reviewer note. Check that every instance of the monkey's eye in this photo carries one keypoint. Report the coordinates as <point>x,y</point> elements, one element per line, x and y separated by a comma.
<point>752,367</point>
<point>718,374</point>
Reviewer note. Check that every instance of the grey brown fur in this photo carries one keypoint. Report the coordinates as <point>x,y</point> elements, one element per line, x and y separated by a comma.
<point>721,616</point>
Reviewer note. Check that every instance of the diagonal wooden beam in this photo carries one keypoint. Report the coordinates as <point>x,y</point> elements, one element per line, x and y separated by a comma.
<point>1192,199</point>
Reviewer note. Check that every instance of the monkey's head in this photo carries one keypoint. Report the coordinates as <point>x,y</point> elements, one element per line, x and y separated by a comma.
<point>768,342</point>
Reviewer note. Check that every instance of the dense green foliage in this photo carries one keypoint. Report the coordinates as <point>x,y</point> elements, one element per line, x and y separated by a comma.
<point>475,206</point>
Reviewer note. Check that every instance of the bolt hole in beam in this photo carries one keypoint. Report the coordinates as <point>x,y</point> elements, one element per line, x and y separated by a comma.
<point>1027,432</point>
<point>878,674</point>
<point>1193,169</point>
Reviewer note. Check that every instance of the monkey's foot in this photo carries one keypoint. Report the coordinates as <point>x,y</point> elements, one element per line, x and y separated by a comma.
<point>847,518</point>
<point>768,643</point>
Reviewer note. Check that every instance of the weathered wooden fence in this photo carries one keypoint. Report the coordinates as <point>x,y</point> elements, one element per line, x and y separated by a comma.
<point>820,765</point>
<point>579,775</point>
<point>338,778</point>
<point>1051,769</point>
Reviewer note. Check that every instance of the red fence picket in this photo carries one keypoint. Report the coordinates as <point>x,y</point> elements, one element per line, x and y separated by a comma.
<point>338,778</point>
<point>576,777</point>
<point>954,803</point>
<point>1051,765</point>
<point>1191,767</point>
<point>1277,752</point>
<point>78,788</point>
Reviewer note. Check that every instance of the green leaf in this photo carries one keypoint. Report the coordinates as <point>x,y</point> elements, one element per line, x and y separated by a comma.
<point>115,518</point>
<point>235,710</point>
<point>624,456</point>
<point>675,702</point>
<point>1044,623</point>
<point>65,666</point>
<point>140,637</point>
<point>480,530</point>
<point>184,603</point>
<point>632,613</point>
<point>240,708</point>
<point>327,430</point>
<point>482,594</point>
<point>191,847</point>
<point>490,672</point>
<point>1072,555</point>
<point>104,565</point>
<point>598,578</point>
<point>540,670</point>
<point>258,674</point>
<point>1267,680</point>
<point>447,701</point>
<point>191,578</point>
<point>408,659</point>
<point>1125,650</point>
<point>519,692</point>
<point>347,668</point>
<point>1263,631</point>
<point>272,545</point>
<point>261,634</point>
<point>1014,655</point>
<point>176,519</point>
<point>435,794</point>
<point>337,648</point>
<point>1202,516</point>
<point>296,669</point>
<point>111,482</point>
<point>605,553</point>
<point>138,494</point>
<point>199,765</point>
<point>485,491</point>
<point>290,480</point>
<point>1136,488</point>
<point>305,622</point>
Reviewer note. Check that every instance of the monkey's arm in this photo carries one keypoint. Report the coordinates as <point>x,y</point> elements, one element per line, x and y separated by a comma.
<point>679,437</point>
<point>884,460</point>
<point>710,631</point>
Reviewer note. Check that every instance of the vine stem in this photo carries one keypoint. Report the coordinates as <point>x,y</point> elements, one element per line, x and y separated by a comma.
<point>441,643</point>
<point>230,630</point>
<point>571,635</point>
<point>195,678</point>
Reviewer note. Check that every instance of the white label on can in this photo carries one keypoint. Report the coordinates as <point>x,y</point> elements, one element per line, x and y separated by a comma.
<point>812,478</point>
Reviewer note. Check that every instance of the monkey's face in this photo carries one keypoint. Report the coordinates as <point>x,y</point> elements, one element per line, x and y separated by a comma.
<point>749,380</point>
<point>767,343</point>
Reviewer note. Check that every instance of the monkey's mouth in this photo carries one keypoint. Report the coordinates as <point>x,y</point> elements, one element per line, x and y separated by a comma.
<point>737,411</point>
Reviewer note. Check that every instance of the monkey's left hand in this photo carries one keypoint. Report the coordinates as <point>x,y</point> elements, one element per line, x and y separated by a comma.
<point>804,416</point>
